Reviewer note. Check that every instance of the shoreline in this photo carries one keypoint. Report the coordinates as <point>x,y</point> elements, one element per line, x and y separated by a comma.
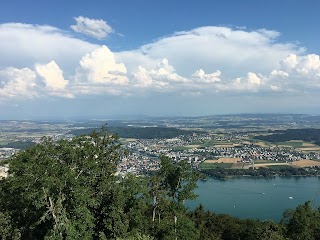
<point>257,177</point>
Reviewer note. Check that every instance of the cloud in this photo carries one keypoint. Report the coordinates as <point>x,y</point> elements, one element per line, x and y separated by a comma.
<point>303,72</point>
<point>96,28</point>
<point>17,84</point>
<point>234,52</point>
<point>252,82</point>
<point>289,63</point>
<point>52,75</point>
<point>100,67</point>
<point>53,78</point>
<point>309,65</point>
<point>295,74</point>
<point>23,45</point>
<point>249,62</point>
<point>164,78</point>
<point>201,76</point>
<point>161,78</point>
<point>252,78</point>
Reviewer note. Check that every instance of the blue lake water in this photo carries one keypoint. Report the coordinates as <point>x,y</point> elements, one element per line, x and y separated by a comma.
<point>256,198</point>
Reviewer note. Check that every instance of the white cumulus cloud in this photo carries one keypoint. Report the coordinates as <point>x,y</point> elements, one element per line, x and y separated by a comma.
<point>201,76</point>
<point>53,78</point>
<point>289,62</point>
<point>294,74</point>
<point>297,73</point>
<point>96,28</point>
<point>251,82</point>
<point>161,78</point>
<point>100,66</point>
<point>17,84</point>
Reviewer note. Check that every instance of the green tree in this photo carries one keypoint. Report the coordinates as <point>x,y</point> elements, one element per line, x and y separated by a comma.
<point>302,222</point>
<point>170,187</point>
<point>6,228</point>
<point>272,231</point>
<point>68,190</point>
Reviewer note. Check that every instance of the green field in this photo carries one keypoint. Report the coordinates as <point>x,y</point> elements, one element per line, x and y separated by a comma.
<point>180,148</point>
<point>205,165</point>
<point>292,144</point>
<point>297,144</point>
<point>4,141</point>
<point>210,143</point>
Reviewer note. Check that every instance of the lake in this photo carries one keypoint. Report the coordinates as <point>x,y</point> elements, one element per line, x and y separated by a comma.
<point>256,198</point>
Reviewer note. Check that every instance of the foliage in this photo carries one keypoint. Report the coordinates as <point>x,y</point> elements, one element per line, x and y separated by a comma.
<point>307,134</point>
<point>170,187</point>
<point>68,190</point>
<point>7,230</point>
<point>222,226</point>
<point>303,222</point>
<point>137,236</point>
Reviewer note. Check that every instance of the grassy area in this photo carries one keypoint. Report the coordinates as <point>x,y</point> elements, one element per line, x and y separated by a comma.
<point>210,143</point>
<point>205,165</point>
<point>4,141</point>
<point>180,148</point>
<point>294,144</point>
<point>297,144</point>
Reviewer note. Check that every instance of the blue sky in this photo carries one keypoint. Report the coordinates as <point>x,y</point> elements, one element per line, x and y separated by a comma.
<point>67,59</point>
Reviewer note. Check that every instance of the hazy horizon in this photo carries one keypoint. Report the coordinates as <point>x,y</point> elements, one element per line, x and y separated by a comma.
<point>145,117</point>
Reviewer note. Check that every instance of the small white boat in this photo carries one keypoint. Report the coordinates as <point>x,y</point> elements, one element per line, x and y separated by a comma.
<point>290,197</point>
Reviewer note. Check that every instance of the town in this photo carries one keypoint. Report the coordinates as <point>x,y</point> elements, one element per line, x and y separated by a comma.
<point>223,140</point>
<point>144,153</point>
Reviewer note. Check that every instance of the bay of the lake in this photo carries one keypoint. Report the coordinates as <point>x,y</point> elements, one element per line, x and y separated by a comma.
<point>261,198</point>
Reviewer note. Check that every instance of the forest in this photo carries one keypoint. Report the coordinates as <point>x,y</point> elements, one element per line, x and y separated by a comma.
<point>305,134</point>
<point>68,189</point>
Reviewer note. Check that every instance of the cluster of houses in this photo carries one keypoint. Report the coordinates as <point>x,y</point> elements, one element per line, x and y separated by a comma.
<point>144,153</point>
<point>7,152</point>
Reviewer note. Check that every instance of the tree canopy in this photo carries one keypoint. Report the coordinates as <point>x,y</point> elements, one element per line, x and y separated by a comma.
<point>68,189</point>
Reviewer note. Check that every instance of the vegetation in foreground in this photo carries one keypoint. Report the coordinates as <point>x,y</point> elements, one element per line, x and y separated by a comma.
<point>69,190</point>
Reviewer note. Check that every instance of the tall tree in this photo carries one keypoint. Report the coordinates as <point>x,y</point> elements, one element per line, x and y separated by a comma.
<point>302,222</point>
<point>170,187</point>
<point>67,190</point>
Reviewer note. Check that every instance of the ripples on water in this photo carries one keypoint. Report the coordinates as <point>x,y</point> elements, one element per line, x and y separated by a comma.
<point>256,198</point>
